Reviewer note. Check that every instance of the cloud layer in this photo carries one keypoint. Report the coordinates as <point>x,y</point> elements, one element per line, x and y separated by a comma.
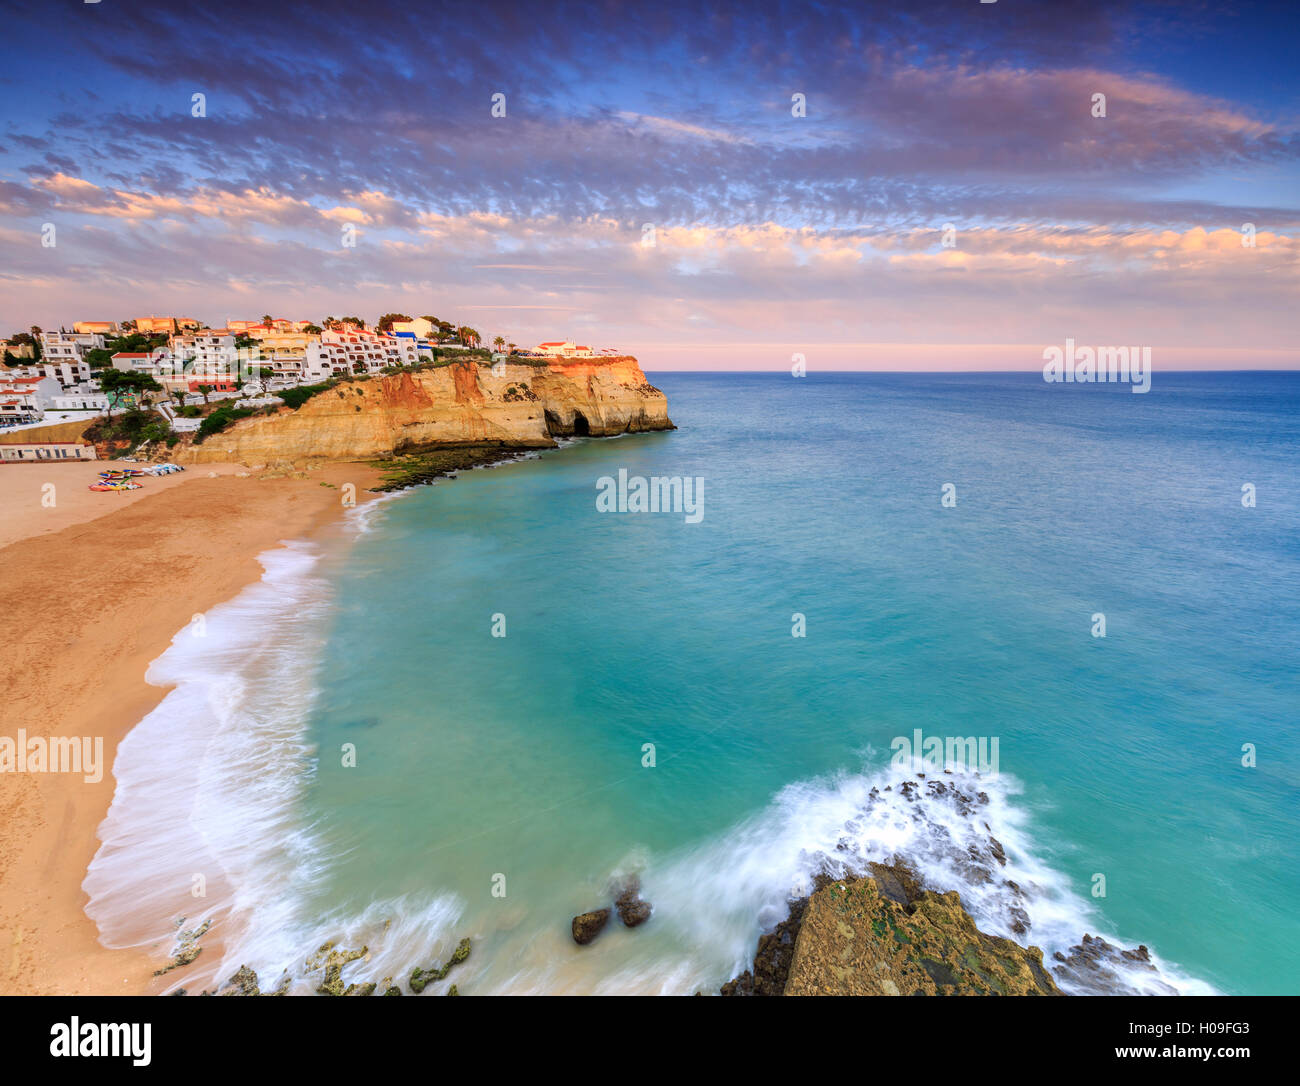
<point>325,124</point>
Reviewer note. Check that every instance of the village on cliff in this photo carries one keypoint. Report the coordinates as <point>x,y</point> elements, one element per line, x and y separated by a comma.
<point>178,368</point>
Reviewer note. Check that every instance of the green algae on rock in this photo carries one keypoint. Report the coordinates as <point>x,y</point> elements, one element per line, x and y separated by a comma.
<point>422,978</point>
<point>333,962</point>
<point>883,935</point>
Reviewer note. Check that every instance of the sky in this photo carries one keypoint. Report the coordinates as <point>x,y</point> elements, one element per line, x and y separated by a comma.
<point>946,198</point>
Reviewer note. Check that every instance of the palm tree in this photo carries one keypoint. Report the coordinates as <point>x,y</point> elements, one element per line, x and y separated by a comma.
<point>512,347</point>
<point>499,342</point>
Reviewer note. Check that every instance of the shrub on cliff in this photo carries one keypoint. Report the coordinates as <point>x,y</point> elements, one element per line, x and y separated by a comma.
<point>219,420</point>
<point>296,397</point>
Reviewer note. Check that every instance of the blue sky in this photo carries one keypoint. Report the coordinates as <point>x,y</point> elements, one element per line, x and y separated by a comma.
<point>772,233</point>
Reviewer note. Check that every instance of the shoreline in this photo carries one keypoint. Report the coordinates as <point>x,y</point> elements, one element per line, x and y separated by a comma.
<point>95,599</point>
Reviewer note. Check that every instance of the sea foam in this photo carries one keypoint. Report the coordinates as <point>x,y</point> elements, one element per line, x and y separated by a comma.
<point>205,821</point>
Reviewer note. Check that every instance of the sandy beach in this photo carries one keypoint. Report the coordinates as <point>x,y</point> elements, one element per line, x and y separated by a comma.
<point>95,587</point>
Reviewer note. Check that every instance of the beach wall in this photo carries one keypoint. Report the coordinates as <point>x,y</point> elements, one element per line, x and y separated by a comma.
<point>59,431</point>
<point>512,403</point>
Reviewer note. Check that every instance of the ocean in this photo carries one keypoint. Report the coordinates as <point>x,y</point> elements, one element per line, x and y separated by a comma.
<point>349,753</point>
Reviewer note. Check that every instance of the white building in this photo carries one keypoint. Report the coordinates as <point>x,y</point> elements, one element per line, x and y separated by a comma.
<point>423,347</point>
<point>69,346</point>
<point>563,349</point>
<point>419,327</point>
<point>212,354</point>
<point>26,399</point>
<point>47,450</point>
<point>68,374</point>
<point>369,352</point>
<point>156,363</point>
<point>84,400</point>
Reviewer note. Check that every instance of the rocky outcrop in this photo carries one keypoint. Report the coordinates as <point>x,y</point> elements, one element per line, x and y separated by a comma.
<point>333,961</point>
<point>627,900</point>
<point>772,962</point>
<point>1097,967</point>
<point>422,978</point>
<point>883,935</point>
<point>588,925</point>
<point>187,947</point>
<point>467,402</point>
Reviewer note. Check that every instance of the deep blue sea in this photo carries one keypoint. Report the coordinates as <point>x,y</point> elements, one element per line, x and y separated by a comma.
<point>365,761</point>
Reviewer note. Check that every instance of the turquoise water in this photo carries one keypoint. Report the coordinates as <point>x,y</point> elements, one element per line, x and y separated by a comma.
<point>521,756</point>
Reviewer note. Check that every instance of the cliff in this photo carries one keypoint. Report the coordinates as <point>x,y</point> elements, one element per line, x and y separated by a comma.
<point>884,935</point>
<point>513,405</point>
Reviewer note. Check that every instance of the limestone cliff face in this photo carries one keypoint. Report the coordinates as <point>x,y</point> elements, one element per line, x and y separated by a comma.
<point>518,405</point>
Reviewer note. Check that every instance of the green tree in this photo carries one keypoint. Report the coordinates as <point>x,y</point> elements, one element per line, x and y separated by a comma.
<point>386,321</point>
<point>123,386</point>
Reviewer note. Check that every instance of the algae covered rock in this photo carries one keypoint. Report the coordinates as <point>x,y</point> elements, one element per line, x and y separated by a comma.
<point>422,978</point>
<point>333,962</point>
<point>882,934</point>
<point>856,940</point>
<point>242,983</point>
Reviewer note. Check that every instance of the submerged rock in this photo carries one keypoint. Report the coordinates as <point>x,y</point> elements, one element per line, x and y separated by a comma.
<point>588,925</point>
<point>183,958</point>
<point>627,900</point>
<point>187,948</point>
<point>1095,966</point>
